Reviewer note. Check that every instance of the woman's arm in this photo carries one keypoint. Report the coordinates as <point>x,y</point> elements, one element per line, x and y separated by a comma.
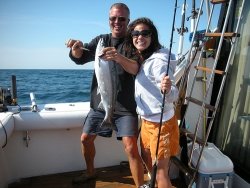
<point>129,65</point>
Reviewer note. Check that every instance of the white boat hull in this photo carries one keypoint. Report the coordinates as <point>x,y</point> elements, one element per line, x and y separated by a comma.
<point>6,127</point>
<point>52,116</point>
<point>48,142</point>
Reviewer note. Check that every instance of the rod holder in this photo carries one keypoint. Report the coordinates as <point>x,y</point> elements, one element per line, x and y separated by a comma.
<point>33,102</point>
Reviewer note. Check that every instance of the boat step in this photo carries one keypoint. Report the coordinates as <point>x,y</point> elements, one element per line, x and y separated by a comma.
<point>198,102</point>
<point>218,1</point>
<point>208,70</point>
<point>220,34</point>
<point>190,135</point>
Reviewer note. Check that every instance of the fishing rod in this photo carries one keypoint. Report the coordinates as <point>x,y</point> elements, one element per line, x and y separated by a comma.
<point>154,168</point>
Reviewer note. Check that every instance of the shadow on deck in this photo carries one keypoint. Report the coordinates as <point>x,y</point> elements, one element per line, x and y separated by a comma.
<point>107,177</point>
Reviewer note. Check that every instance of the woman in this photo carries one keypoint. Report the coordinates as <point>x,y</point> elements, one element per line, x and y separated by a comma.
<point>150,84</point>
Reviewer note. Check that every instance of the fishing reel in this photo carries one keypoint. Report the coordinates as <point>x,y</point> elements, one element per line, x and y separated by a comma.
<point>194,14</point>
<point>182,30</point>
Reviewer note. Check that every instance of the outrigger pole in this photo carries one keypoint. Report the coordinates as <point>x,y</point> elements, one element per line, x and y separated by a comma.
<point>193,17</point>
<point>154,170</point>
<point>182,30</point>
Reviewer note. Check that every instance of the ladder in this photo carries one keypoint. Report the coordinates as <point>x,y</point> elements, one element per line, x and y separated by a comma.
<point>203,104</point>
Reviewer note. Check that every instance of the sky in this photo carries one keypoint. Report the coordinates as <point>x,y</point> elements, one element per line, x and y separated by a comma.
<point>33,32</point>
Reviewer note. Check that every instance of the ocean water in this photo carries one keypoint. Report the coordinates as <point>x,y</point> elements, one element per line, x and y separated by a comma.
<point>49,85</point>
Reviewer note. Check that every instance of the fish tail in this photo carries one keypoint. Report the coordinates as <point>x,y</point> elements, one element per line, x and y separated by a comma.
<point>107,124</point>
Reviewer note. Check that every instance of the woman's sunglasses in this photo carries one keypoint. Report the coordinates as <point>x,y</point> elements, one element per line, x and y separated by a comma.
<point>119,18</point>
<point>144,33</point>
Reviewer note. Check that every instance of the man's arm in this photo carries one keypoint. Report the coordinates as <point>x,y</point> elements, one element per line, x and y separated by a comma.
<point>78,53</point>
<point>76,47</point>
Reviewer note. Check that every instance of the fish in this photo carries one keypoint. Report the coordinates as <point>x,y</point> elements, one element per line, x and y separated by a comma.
<point>107,85</point>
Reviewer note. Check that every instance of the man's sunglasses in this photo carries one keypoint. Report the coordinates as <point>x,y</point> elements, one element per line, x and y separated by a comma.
<point>119,18</point>
<point>144,33</point>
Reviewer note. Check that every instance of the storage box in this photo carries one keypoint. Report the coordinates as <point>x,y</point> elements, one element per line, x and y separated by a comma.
<point>215,169</point>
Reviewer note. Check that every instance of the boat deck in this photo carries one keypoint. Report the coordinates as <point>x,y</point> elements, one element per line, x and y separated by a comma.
<point>108,177</point>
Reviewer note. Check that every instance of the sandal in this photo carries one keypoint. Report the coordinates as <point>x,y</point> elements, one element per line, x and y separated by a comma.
<point>83,178</point>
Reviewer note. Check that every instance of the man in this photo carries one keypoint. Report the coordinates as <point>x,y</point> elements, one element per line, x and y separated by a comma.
<point>125,117</point>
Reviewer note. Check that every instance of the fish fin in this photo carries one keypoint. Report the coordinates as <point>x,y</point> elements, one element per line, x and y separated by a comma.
<point>101,54</point>
<point>101,106</point>
<point>98,91</point>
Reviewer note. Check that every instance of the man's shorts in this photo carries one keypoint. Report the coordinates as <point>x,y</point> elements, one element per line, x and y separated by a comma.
<point>169,139</point>
<point>126,125</point>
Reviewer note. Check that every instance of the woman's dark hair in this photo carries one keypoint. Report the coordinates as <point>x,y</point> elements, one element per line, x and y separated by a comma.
<point>154,46</point>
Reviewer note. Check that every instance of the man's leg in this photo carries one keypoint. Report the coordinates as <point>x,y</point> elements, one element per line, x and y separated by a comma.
<point>135,162</point>
<point>88,151</point>
<point>90,130</point>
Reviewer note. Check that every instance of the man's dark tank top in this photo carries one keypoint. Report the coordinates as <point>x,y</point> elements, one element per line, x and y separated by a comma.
<point>125,104</point>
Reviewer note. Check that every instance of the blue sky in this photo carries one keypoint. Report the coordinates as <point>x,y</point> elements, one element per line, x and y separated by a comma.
<point>33,33</point>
